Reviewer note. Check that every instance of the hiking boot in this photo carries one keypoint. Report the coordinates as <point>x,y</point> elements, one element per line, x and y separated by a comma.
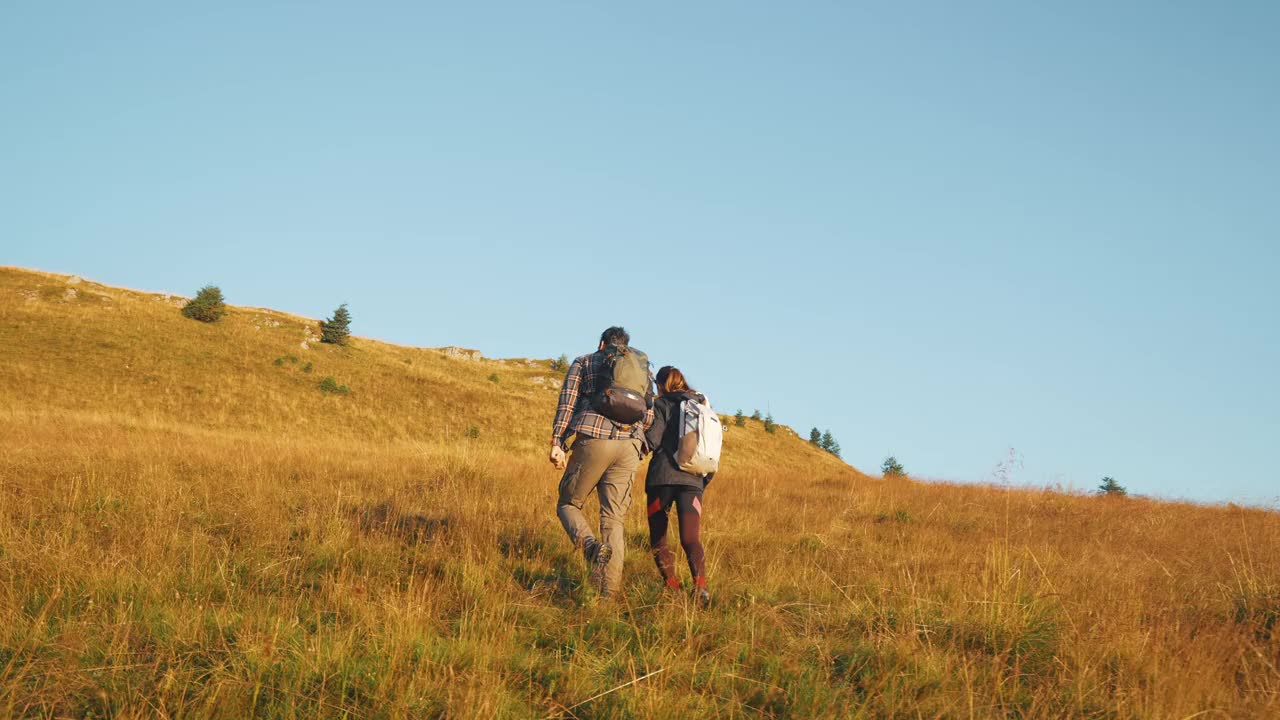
<point>598,554</point>
<point>700,594</point>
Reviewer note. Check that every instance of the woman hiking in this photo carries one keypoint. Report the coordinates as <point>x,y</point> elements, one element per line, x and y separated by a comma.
<point>666,485</point>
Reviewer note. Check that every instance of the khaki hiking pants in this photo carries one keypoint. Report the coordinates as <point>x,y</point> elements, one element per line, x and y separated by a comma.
<point>608,467</point>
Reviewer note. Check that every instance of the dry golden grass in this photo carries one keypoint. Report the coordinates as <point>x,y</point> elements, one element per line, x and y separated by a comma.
<point>189,529</point>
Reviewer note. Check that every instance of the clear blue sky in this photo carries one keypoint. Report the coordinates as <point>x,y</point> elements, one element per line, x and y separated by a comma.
<point>939,229</point>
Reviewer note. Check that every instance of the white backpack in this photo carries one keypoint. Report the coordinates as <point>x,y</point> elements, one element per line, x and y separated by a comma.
<point>701,435</point>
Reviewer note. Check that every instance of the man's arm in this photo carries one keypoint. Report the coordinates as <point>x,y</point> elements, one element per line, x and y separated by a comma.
<point>568,403</point>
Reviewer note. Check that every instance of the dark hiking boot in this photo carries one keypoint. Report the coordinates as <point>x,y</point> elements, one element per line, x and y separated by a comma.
<point>598,555</point>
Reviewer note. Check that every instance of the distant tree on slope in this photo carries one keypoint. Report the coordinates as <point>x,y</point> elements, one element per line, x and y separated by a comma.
<point>1109,486</point>
<point>815,437</point>
<point>828,442</point>
<point>337,329</point>
<point>892,468</point>
<point>206,306</point>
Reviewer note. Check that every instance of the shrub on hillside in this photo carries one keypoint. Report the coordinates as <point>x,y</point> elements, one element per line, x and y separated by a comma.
<point>206,306</point>
<point>815,437</point>
<point>755,415</point>
<point>330,385</point>
<point>1109,486</point>
<point>337,329</point>
<point>892,468</point>
<point>769,425</point>
<point>561,363</point>
<point>739,419</point>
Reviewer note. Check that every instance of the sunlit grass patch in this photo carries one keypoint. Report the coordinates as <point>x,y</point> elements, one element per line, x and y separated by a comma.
<point>188,529</point>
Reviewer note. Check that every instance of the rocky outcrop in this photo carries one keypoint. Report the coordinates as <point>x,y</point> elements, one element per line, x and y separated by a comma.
<point>461,353</point>
<point>265,321</point>
<point>310,337</point>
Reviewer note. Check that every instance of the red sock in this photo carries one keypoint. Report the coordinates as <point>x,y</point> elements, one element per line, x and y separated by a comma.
<point>700,582</point>
<point>673,583</point>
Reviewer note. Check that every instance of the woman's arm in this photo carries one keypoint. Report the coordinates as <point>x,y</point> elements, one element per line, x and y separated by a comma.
<point>653,434</point>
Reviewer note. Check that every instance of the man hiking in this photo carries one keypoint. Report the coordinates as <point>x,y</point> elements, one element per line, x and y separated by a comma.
<point>606,402</point>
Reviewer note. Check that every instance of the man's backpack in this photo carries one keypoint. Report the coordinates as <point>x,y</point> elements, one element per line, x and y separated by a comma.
<point>700,439</point>
<point>622,391</point>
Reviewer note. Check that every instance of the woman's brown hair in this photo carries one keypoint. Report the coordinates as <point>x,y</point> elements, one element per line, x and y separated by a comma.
<point>671,380</point>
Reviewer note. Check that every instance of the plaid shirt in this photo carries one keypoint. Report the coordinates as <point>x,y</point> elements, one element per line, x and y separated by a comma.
<point>574,414</point>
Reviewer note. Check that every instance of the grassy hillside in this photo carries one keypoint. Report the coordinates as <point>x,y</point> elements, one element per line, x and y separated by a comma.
<point>94,353</point>
<point>190,527</point>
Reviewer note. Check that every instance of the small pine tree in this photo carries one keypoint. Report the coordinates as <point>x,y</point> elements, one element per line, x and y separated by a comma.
<point>756,415</point>
<point>337,329</point>
<point>827,442</point>
<point>769,426</point>
<point>561,363</point>
<point>1109,486</point>
<point>892,468</point>
<point>739,419</point>
<point>206,306</point>
<point>815,437</point>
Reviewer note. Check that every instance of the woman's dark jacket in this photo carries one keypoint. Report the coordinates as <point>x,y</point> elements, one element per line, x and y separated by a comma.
<point>663,436</point>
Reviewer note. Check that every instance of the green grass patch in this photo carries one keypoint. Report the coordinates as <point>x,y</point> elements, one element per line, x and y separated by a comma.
<point>332,387</point>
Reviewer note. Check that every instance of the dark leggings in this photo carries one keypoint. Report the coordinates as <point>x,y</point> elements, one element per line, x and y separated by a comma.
<point>688,502</point>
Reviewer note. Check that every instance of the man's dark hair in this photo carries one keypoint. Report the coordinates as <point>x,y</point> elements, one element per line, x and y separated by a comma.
<point>615,336</point>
